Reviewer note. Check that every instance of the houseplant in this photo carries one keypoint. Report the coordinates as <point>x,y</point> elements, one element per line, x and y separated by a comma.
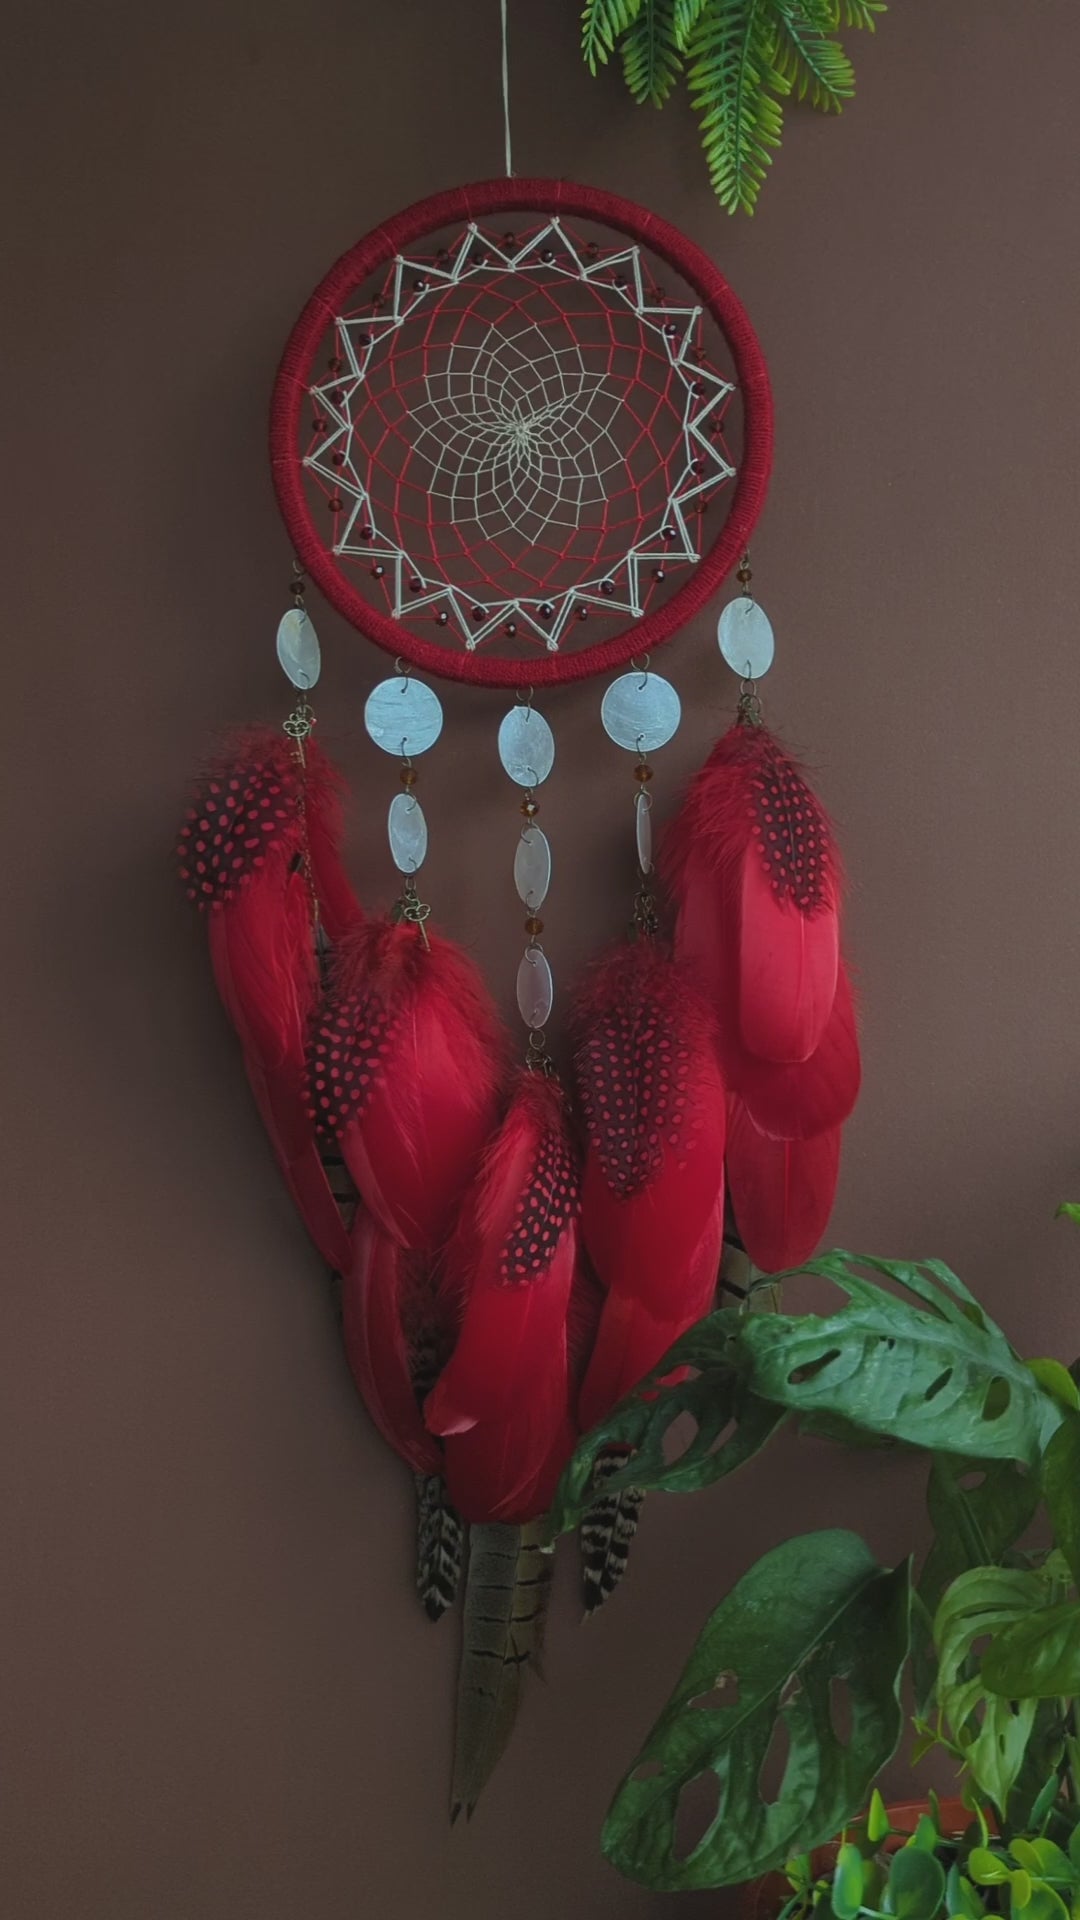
<point>988,1632</point>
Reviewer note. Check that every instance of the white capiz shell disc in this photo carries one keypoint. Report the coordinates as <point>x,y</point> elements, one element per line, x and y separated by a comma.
<point>535,988</point>
<point>745,636</point>
<point>532,868</point>
<point>641,711</point>
<point>526,746</point>
<point>403,716</point>
<point>407,832</point>
<point>298,648</point>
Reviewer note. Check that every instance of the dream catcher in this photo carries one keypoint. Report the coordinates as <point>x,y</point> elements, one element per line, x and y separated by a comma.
<point>521,434</point>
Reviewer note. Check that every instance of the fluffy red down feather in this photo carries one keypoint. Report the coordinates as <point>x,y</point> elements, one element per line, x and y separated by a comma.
<point>503,1402</point>
<point>753,867</point>
<point>653,1188</point>
<point>241,854</point>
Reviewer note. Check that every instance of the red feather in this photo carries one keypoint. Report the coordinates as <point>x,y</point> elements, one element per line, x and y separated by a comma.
<point>242,853</point>
<point>753,836</point>
<point>781,1191</point>
<point>405,1063</point>
<point>653,1187</point>
<point>753,866</point>
<point>396,1331</point>
<point>503,1402</point>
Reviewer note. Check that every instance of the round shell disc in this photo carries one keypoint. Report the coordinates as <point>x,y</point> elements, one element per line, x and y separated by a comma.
<point>403,716</point>
<point>641,711</point>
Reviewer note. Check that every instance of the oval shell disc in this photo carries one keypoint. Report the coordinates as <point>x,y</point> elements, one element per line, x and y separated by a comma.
<point>532,868</point>
<point>641,711</point>
<point>745,636</point>
<point>403,716</point>
<point>407,832</point>
<point>535,988</point>
<point>526,746</point>
<point>298,648</point>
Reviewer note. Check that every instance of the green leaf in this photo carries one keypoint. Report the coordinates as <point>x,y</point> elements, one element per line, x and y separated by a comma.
<point>602,23</point>
<point>861,13</point>
<point>1038,1656</point>
<point>730,1427</point>
<point>1019,1890</point>
<point>848,1882</point>
<point>809,58</point>
<point>1068,1210</point>
<point>1061,1489</point>
<point>916,1886</point>
<point>938,1373</point>
<point>1043,1803</point>
<point>686,16</point>
<point>813,1616</point>
<point>1057,1381</point>
<point>987,1867</point>
<point>1042,1858</point>
<point>1045,1904</point>
<point>651,58</point>
<point>877,1820</point>
<point>926,1835</point>
<point>961,1899</point>
<point>733,86</point>
<point>979,1509</point>
<point>993,1732</point>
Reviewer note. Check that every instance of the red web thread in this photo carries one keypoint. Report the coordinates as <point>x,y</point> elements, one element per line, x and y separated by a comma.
<point>633,1085</point>
<point>792,835</point>
<point>542,1213</point>
<point>236,820</point>
<point>394,443</point>
<point>348,1043</point>
<point>404,236</point>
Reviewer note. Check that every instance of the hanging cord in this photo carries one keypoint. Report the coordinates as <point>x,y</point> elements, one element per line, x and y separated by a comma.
<point>506,90</point>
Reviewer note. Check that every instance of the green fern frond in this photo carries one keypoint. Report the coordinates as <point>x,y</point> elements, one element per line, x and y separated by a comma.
<point>686,15</point>
<point>810,60</point>
<point>602,23</point>
<point>734,82</point>
<point>650,53</point>
<point>860,13</point>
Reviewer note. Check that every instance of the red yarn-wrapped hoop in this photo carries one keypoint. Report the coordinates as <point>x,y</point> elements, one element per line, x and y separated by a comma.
<point>298,382</point>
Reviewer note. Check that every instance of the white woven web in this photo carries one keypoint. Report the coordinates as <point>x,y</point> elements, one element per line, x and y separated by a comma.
<point>518,433</point>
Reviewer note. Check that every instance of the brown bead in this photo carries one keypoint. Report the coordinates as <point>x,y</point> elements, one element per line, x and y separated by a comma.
<point>530,809</point>
<point>643,773</point>
<point>533,925</point>
<point>408,776</point>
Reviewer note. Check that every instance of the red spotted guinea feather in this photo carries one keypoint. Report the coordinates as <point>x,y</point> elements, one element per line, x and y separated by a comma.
<point>503,1401</point>
<point>752,865</point>
<point>405,1064</point>
<point>652,1207</point>
<point>242,859</point>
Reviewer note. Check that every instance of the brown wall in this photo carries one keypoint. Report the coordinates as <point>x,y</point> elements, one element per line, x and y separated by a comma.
<point>219,1699</point>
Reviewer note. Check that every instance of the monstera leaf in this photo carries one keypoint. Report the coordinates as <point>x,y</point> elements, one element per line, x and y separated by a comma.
<point>930,1370</point>
<point>726,1426</point>
<point>993,1731</point>
<point>816,1632</point>
<point>935,1372</point>
<point>1038,1656</point>
<point>1061,1489</point>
